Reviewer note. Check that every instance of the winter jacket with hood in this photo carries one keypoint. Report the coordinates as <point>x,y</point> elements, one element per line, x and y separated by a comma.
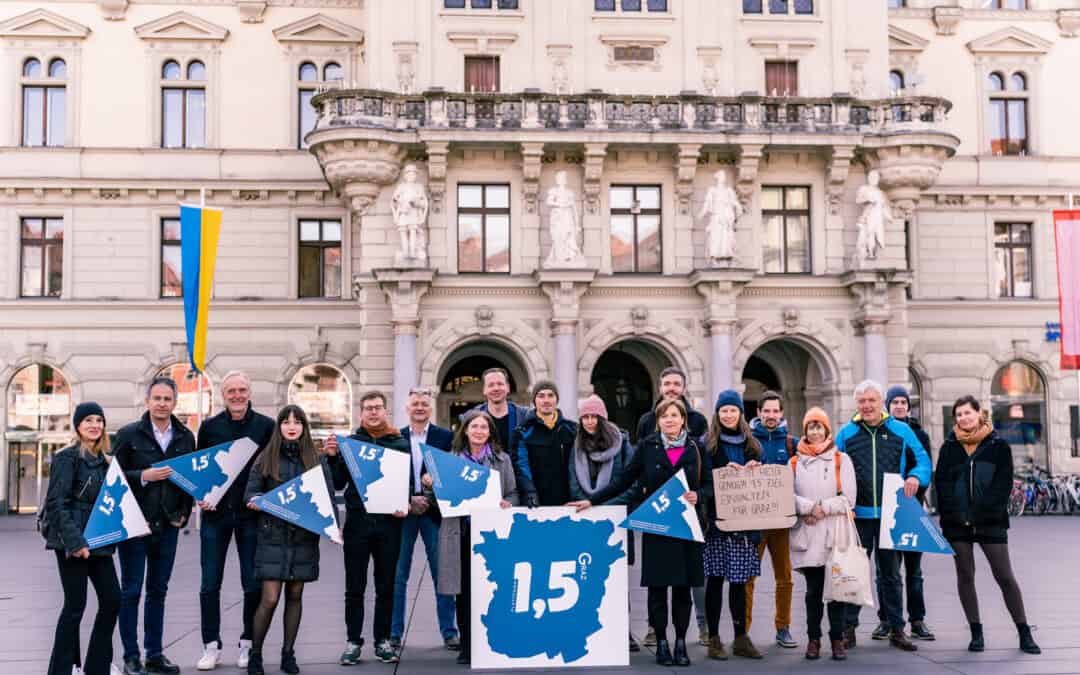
<point>889,447</point>
<point>815,483</point>
<point>777,447</point>
<point>542,459</point>
<point>75,479</point>
<point>973,490</point>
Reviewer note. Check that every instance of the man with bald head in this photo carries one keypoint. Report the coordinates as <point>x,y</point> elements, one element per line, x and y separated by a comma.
<point>230,519</point>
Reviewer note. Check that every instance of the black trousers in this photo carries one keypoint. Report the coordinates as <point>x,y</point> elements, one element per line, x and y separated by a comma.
<point>815,606</point>
<point>74,574</point>
<point>463,606</point>
<point>680,610</point>
<point>375,539</point>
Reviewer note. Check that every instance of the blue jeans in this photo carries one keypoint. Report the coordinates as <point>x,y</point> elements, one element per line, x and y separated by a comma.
<point>150,558</point>
<point>913,586</point>
<point>888,577</point>
<point>214,538</point>
<point>428,530</point>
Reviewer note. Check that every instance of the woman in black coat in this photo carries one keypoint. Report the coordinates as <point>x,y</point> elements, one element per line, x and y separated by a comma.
<point>666,562</point>
<point>78,472</point>
<point>285,555</point>
<point>973,480</point>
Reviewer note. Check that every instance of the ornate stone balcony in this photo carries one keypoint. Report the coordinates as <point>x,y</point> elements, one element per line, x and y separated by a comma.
<point>598,111</point>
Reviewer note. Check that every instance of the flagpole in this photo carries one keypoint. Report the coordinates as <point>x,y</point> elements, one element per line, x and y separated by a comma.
<point>199,395</point>
<point>1070,201</point>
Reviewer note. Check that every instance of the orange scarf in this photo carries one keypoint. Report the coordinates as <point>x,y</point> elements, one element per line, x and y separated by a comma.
<point>971,439</point>
<point>387,429</point>
<point>814,449</point>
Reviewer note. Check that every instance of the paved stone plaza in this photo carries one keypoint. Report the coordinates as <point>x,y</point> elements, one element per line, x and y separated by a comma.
<point>1045,554</point>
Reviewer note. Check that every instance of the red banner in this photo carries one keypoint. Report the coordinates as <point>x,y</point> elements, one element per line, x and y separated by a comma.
<point>1067,240</point>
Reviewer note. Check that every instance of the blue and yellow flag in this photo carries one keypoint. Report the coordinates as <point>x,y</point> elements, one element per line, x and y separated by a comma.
<point>199,231</point>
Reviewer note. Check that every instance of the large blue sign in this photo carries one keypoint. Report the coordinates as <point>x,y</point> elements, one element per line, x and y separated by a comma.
<point>207,474</point>
<point>381,475</point>
<point>667,512</point>
<point>905,524</point>
<point>461,487</point>
<point>116,516</point>
<point>549,588</point>
<point>305,502</point>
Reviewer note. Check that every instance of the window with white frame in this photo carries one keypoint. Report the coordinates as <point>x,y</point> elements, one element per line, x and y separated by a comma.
<point>1003,4</point>
<point>779,7</point>
<point>44,102</point>
<point>1007,113</point>
<point>481,4</point>
<point>309,79</point>
<point>183,104</point>
<point>1012,260</point>
<point>630,5</point>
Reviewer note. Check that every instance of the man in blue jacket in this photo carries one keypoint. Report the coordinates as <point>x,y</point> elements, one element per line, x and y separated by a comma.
<point>541,449</point>
<point>507,415</point>
<point>879,444</point>
<point>423,520</point>
<point>771,431</point>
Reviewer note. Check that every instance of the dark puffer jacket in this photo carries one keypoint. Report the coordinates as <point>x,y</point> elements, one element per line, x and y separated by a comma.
<point>136,449</point>
<point>889,447</point>
<point>542,459</point>
<point>284,552</point>
<point>973,491</point>
<point>222,428</point>
<point>924,440</point>
<point>74,483</point>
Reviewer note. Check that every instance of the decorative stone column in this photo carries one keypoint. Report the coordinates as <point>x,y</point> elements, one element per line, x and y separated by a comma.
<point>564,288</point>
<point>720,288</point>
<point>403,289</point>
<point>871,290</point>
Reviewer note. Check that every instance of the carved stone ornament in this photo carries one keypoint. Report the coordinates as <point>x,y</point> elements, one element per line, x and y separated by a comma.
<point>564,225</point>
<point>1069,22</point>
<point>721,210</point>
<point>113,10</point>
<point>251,11</point>
<point>485,316</point>
<point>639,317</point>
<point>359,170</point>
<point>790,316</point>
<point>409,208</point>
<point>873,218</point>
<point>685,170</point>
<point>947,19</point>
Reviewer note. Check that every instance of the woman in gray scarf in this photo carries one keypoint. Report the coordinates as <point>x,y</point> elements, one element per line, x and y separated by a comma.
<point>601,452</point>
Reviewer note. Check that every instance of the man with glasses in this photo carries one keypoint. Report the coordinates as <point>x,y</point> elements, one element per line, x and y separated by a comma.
<point>230,519</point>
<point>374,538</point>
<point>423,520</point>
<point>159,435</point>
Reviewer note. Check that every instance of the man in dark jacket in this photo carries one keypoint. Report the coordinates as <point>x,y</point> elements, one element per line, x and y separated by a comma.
<point>771,431</point>
<point>507,415</point>
<point>156,437</point>
<point>879,444</point>
<point>673,386</point>
<point>541,449</point>
<point>230,518</point>
<point>898,403</point>
<point>423,520</point>
<point>369,537</point>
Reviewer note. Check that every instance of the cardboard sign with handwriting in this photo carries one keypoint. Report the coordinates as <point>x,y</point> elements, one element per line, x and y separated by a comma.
<point>762,498</point>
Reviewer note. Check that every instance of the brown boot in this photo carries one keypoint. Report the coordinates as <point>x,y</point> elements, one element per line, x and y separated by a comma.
<point>716,649</point>
<point>744,647</point>
<point>839,650</point>
<point>813,650</point>
<point>900,640</point>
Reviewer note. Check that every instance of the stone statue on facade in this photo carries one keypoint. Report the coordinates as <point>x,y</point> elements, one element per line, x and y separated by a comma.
<point>722,208</point>
<point>873,218</point>
<point>563,226</point>
<point>409,208</point>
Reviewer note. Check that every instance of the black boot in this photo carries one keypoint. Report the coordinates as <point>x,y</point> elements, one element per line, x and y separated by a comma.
<point>288,662</point>
<point>681,657</point>
<point>255,664</point>
<point>663,652</point>
<point>977,644</point>
<point>1027,643</point>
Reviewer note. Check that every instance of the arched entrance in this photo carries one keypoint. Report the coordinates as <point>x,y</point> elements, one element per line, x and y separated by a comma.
<point>38,425</point>
<point>625,377</point>
<point>800,374</point>
<point>326,396</point>
<point>460,384</point>
<point>1018,397</point>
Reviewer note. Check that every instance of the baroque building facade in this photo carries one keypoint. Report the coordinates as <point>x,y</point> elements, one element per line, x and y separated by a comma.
<point>894,166</point>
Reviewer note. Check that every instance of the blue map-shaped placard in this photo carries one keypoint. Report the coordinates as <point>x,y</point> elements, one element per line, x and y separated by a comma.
<point>549,588</point>
<point>207,474</point>
<point>304,502</point>
<point>905,524</point>
<point>381,475</point>
<point>461,487</point>
<point>116,516</point>
<point>667,513</point>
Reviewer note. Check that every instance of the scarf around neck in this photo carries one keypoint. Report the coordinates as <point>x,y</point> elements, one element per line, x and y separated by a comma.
<point>678,442</point>
<point>387,429</point>
<point>549,422</point>
<point>971,439</point>
<point>606,460</point>
<point>483,459</point>
<point>814,449</point>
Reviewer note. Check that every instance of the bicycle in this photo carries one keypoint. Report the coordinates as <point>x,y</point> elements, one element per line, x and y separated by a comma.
<point>1017,499</point>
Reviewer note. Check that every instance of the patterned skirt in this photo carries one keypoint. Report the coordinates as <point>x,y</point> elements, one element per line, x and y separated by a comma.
<point>731,556</point>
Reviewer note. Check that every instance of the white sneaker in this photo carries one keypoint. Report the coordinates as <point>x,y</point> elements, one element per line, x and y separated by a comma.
<point>244,655</point>
<point>210,657</point>
<point>115,669</point>
<point>75,670</point>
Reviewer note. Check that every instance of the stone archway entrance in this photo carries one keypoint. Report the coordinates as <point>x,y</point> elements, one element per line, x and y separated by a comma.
<point>625,377</point>
<point>801,375</point>
<point>460,384</point>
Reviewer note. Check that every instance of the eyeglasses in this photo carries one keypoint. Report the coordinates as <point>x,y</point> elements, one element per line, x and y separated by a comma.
<point>373,408</point>
<point>420,392</point>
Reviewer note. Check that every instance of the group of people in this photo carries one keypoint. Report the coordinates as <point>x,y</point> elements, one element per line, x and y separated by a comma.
<point>543,459</point>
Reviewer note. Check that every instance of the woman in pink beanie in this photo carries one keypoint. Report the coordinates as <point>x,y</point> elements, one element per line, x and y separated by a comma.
<point>601,452</point>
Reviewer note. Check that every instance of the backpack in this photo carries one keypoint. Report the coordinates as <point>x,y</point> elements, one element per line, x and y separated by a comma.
<point>836,472</point>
